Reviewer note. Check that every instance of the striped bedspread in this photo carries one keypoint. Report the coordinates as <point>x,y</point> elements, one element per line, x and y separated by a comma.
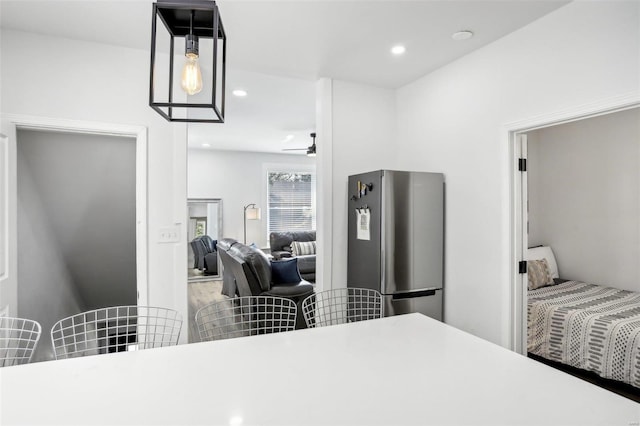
<point>587,326</point>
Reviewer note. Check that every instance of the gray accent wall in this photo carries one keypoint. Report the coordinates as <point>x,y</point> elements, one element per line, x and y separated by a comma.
<point>584,197</point>
<point>76,226</point>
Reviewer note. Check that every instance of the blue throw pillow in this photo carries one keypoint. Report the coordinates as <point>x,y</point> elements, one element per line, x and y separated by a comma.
<point>285,271</point>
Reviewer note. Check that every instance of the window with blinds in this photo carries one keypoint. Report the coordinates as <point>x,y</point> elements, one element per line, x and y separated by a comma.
<point>291,201</point>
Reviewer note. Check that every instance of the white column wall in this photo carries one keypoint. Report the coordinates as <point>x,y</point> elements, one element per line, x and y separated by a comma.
<point>363,139</point>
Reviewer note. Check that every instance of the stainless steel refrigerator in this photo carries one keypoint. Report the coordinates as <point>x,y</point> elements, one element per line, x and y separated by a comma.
<point>396,239</point>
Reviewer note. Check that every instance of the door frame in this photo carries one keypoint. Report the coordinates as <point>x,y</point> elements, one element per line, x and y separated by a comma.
<point>9,124</point>
<point>7,296</point>
<point>518,237</point>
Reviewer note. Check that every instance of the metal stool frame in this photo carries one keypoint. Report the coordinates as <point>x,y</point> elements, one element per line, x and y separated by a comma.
<point>18,340</point>
<point>340,306</point>
<point>245,316</point>
<point>115,329</point>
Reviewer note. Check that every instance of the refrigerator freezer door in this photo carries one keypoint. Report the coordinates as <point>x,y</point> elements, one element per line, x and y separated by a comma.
<point>427,302</point>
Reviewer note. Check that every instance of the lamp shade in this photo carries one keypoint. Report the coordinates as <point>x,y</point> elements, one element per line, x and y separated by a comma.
<point>253,213</point>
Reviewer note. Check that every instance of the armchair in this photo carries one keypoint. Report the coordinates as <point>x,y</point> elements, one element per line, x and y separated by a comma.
<point>205,254</point>
<point>250,270</point>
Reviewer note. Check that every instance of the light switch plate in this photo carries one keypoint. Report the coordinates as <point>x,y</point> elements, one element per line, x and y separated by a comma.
<point>169,234</point>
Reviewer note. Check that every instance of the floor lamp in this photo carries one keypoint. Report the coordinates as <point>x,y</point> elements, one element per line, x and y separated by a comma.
<point>251,212</point>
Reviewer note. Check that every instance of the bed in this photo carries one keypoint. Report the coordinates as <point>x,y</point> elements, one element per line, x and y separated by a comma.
<point>587,326</point>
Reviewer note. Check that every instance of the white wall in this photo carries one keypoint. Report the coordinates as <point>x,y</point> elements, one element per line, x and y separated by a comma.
<point>213,219</point>
<point>451,121</point>
<point>584,197</point>
<point>363,139</point>
<point>239,179</point>
<point>59,78</point>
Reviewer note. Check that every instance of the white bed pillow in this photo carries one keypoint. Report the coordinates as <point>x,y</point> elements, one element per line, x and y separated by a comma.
<point>544,252</point>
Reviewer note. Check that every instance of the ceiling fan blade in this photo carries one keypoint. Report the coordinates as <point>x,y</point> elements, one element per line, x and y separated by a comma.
<point>311,150</point>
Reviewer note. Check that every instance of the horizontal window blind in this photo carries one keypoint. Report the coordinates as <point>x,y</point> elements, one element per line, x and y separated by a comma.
<point>291,198</point>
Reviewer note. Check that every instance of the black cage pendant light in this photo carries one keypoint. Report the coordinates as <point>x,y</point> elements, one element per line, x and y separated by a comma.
<point>188,61</point>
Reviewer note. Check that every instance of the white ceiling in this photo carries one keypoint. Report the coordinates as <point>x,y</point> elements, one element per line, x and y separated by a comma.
<point>277,49</point>
<point>274,108</point>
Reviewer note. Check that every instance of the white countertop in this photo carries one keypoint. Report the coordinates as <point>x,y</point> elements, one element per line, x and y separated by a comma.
<point>406,369</point>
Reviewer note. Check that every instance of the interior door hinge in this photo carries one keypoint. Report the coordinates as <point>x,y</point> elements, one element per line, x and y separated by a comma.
<point>522,164</point>
<point>522,267</point>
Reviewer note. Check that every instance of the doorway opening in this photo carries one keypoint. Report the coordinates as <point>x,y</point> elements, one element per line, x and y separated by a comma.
<point>519,210</point>
<point>270,132</point>
<point>76,224</point>
<point>575,207</point>
<point>60,209</point>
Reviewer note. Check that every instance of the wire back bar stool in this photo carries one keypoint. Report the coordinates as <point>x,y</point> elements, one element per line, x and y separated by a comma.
<point>340,306</point>
<point>245,316</point>
<point>18,340</point>
<point>115,329</point>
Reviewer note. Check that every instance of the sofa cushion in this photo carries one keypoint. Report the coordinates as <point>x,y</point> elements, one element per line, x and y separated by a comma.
<point>285,271</point>
<point>303,289</point>
<point>303,248</point>
<point>307,264</point>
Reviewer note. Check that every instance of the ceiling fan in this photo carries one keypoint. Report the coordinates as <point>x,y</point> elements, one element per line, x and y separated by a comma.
<point>311,151</point>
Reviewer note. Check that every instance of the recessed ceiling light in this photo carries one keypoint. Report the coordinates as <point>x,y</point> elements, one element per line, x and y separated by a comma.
<point>235,421</point>
<point>206,145</point>
<point>288,138</point>
<point>240,93</point>
<point>398,49</point>
<point>462,35</point>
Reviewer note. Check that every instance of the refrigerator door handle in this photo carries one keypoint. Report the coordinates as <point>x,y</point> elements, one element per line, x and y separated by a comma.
<point>412,294</point>
<point>383,278</point>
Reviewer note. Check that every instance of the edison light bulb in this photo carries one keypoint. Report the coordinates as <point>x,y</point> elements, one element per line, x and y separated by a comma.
<point>191,75</point>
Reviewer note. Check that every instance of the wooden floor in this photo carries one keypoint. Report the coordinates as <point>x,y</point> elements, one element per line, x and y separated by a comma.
<point>201,293</point>
<point>620,388</point>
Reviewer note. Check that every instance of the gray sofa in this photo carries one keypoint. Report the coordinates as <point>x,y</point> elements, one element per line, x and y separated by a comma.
<point>280,244</point>
<point>247,272</point>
